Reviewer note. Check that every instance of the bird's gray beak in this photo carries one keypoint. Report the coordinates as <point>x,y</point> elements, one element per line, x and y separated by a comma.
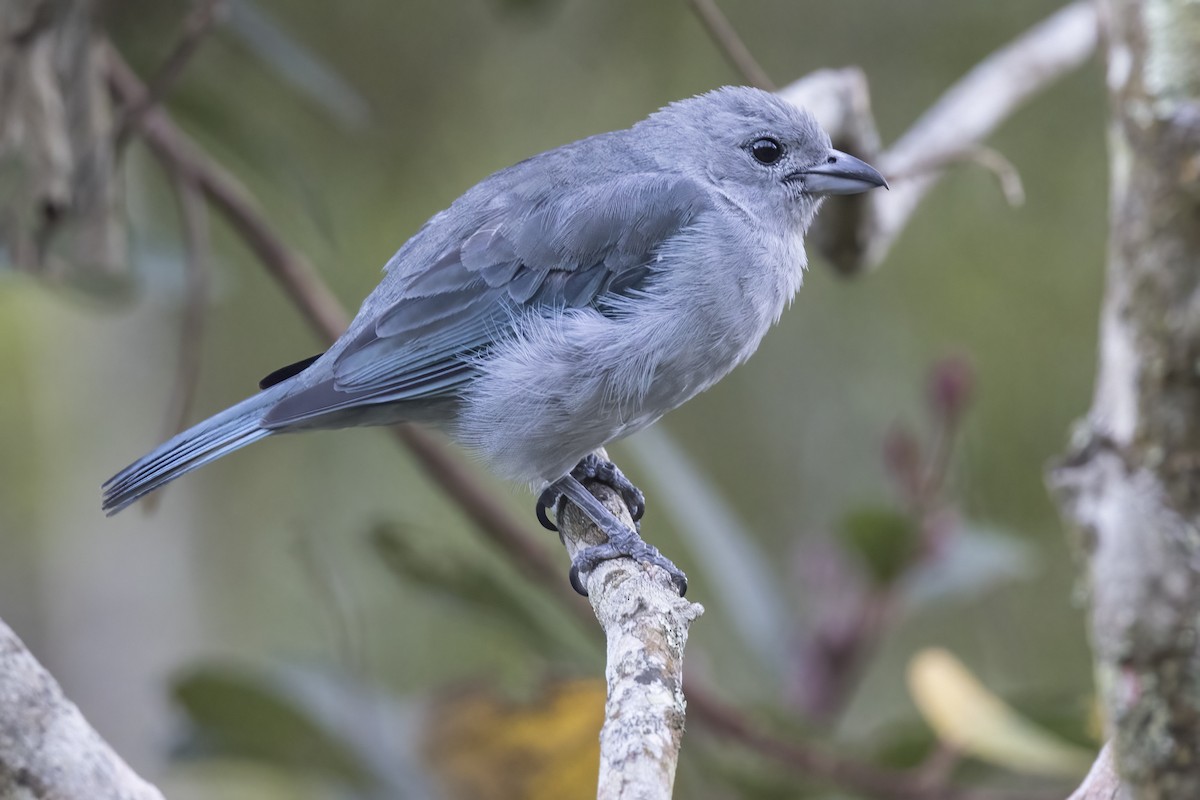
<point>840,173</point>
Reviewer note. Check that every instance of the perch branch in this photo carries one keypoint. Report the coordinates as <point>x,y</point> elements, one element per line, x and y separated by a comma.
<point>645,624</point>
<point>47,748</point>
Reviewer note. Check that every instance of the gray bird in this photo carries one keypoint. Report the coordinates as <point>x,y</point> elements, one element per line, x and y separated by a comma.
<point>565,302</point>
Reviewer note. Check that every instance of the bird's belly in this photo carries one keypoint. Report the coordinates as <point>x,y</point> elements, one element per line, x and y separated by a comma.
<point>569,385</point>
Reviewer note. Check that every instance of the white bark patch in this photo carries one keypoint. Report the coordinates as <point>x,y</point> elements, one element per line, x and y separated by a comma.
<point>1114,408</point>
<point>1172,62</point>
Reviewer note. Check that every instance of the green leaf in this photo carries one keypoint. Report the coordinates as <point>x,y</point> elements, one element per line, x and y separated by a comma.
<point>885,541</point>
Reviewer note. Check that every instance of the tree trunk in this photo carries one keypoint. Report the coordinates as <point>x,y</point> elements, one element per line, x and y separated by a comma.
<point>1131,484</point>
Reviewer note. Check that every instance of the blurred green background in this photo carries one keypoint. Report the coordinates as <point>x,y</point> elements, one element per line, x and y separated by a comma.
<point>352,123</point>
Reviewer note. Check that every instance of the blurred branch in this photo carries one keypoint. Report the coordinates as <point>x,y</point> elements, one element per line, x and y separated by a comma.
<point>47,748</point>
<point>728,41</point>
<point>1004,171</point>
<point>646,623</point>
<point>864,228</point>
<point>171,146</point>
<point>193,214</point>
<point>1130,484</point>
<point>195,27</point>
<point>1102,782</point>
<point>197,251</point>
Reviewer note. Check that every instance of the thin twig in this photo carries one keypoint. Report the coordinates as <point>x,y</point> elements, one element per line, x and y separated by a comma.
<point>297,277</point>
<point>195,27</point>
<point>197,246</point>
<point>975,106</point>
<point>332,595</point>
<point>936,769</point>
<point>1004,171</point>
<point>485,509</point>
<point>727,39</point>
<point>193,215</point>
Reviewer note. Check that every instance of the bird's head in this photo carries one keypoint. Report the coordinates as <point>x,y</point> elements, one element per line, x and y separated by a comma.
<point>762,152</point>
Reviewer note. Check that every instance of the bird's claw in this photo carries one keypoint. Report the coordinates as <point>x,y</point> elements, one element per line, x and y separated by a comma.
<point>632,547</point>
<point>622,542</point>
<point>593,468</point>
<point>546,500</point>
<point>607,473</point>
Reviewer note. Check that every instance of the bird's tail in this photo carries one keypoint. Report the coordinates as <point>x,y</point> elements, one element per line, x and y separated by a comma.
<point>232,429</point>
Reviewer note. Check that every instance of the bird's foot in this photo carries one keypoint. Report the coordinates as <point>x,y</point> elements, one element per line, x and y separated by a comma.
<point>631,545</point>
<point>594,468</point>
<point>622,541</point>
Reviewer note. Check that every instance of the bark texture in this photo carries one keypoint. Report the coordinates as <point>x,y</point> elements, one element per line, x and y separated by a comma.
<point>47,749</point>
<point>59,211</point>
<point>1102,781</point>
<point>1131,484</point>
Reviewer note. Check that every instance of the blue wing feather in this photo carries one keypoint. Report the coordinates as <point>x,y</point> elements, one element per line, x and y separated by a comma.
<point>530,249</point>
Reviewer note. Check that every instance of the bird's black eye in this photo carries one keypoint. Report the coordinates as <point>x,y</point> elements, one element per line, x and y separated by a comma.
<point>766,150</point>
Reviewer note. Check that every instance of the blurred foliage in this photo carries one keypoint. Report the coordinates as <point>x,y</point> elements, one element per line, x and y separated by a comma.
<point>885,540</point>
<point>478,588</point>
<point>352,123</point>
<point>547,748</point>
<point>468,742</point>
<point>271,717</point>
<point>975,722</point>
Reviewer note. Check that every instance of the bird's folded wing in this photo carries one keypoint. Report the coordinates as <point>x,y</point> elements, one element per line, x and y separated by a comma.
<point>529,253</point>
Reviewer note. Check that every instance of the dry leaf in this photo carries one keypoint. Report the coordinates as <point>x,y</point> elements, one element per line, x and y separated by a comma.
<point>969,718</point>
<point>485,748</point>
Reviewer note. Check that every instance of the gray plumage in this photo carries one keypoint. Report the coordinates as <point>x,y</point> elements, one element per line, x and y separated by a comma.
<point>568,300</point>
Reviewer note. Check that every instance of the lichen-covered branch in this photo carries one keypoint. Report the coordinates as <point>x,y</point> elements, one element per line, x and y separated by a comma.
<point>645,623</point>
<point>1131,484</point>
<point>47,748</point>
